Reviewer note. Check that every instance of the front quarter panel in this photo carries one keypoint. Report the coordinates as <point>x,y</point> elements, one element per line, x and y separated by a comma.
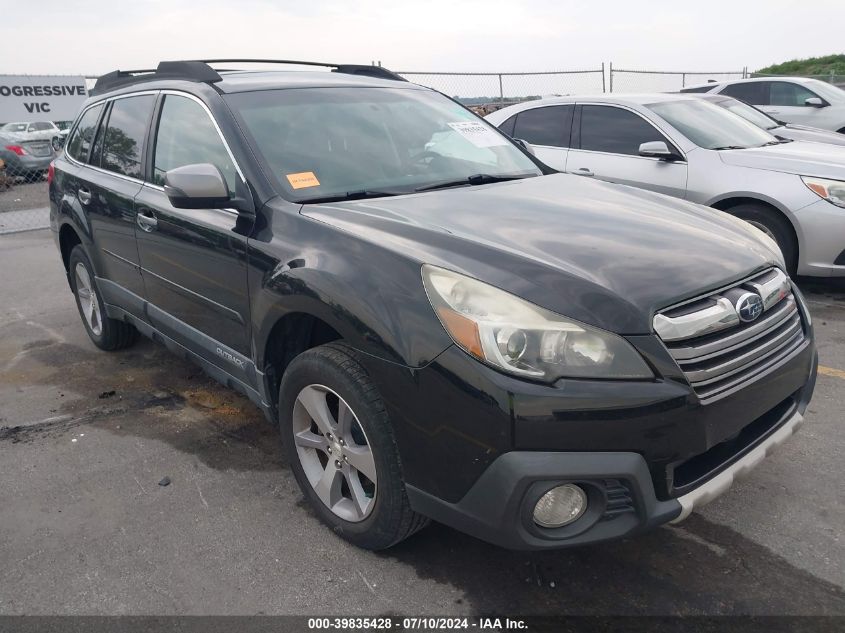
<point>373,297</point>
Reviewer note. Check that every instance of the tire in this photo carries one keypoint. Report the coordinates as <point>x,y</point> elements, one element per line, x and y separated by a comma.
<point>772,222</point>
<point>107,334</point>
<point>331,380</point>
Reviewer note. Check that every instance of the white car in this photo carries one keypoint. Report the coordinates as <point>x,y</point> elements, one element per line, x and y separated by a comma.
<point>683,146</point>
<point>34,131</point>
<point>791,99</point>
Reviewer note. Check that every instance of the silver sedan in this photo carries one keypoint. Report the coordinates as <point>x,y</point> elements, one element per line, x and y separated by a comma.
<point>683,146</point>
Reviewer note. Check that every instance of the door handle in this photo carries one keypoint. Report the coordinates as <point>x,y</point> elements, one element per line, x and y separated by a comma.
<point>583,171</point>
<point>147,223</point>
<point>84,195</point>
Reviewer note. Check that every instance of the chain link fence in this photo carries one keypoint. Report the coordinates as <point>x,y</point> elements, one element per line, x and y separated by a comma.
<point>25,156</point>
<point>664,81</point>
<point>486,92</point>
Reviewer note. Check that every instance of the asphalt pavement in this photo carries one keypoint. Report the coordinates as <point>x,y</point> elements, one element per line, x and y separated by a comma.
<point>86,437</point>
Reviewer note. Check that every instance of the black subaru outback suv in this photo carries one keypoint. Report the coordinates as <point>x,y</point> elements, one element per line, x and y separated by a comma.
<point>440,326</point>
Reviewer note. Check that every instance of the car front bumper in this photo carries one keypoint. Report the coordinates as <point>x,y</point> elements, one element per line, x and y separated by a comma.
<point>822,248</point>
<point>621,496</point>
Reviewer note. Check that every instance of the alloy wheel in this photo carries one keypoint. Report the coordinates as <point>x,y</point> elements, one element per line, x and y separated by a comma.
<point>88,299</point>
<point>334,452</point>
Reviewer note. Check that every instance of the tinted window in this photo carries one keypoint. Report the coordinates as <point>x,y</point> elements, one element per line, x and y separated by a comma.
<point>507,126</point>
<point>753,92</point>
<point>545,126</point>
<point>784,93</point>
<point>124,138</point>
<point>616,131</point>
<point>80,140</point>
<point>698,89</point>
<point>186,135</point>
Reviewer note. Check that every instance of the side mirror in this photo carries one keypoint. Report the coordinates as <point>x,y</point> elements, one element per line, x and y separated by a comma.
<point>199,186</point>
<point>525,145</point>
<point>656,149</point>
<point>815,102</point>
<point>58,143</point>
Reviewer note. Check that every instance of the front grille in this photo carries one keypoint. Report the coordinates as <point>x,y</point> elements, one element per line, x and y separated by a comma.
<point>716,349</point>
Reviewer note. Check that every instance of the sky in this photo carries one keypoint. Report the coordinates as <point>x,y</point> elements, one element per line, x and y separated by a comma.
<point>96,36</point>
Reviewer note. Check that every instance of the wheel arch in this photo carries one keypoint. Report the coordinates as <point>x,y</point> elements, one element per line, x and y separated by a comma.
<point>68,239</point>
<point>290,335</point>
<point>728,202</point>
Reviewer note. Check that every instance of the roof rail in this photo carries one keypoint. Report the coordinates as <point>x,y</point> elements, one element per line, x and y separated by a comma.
<point>188,70</point>
<point>350,69</point>
<point>200,70</point>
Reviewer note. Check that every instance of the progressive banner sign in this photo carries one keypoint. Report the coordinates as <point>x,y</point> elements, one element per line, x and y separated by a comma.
<point>25,98</point>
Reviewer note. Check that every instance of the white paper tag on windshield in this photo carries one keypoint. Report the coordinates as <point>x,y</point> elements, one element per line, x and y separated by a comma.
<point>478,134</point>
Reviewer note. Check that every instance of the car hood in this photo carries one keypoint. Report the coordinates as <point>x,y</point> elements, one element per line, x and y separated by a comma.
<point>812,134</point>
<point>798,157</point>
<point>608,255</point>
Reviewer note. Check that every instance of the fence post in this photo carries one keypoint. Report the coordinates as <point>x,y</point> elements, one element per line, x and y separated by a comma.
<point>603,86</point>
<point>610,76</point>
<point>683,80</point>
<point>501,92</point>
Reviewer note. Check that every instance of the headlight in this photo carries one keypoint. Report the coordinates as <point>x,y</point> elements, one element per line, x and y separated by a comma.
<point>831,190</point>
<point>522,338</point>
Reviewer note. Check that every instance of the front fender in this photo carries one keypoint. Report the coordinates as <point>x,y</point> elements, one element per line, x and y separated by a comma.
<point>372,296</point>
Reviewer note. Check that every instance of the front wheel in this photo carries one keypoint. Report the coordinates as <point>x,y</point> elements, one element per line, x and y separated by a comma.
<point>776,226</point>
<point>341,448</point>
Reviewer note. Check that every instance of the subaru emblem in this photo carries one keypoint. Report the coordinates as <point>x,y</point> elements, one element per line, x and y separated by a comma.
<point>749,306</point>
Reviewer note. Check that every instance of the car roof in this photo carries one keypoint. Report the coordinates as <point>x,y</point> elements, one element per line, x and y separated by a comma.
<point>751,80</point>
<point>617,98</point>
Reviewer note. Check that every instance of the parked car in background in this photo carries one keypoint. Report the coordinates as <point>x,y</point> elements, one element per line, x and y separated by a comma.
<point>28,160</point>
<point>34,131</point>
<point>791,99</point>
<point>683,146</point>
<point>783,131</point>
<point>438,324</point>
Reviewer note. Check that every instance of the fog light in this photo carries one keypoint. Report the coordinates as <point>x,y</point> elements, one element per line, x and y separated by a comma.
<point>560,506</point>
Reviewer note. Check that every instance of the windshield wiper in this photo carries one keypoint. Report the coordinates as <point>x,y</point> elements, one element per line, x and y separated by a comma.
<point>358,194</point>
<point>771,143</point>
<point>475,179</point>
<point>730,147</point>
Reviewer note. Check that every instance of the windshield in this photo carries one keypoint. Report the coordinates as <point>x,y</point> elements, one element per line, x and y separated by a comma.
<point>14,127</point>
<point>749,113</point>
<point>324,142</point>
<point>830,92</point>
<point>710,126</point>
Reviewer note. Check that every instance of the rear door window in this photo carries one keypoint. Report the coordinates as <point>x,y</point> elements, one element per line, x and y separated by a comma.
<point>80,141</point>
<point>549,125</point>
<point>123,142</point>
<point>753,92</point>
<point>616,131</point>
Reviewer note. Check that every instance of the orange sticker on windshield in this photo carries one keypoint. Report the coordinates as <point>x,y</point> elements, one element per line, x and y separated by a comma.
<point>303,179</point>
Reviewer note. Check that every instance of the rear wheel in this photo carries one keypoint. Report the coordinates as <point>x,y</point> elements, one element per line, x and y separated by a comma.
<point>341,448</point>
<point>773,224</point>
<point>106,333</point>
